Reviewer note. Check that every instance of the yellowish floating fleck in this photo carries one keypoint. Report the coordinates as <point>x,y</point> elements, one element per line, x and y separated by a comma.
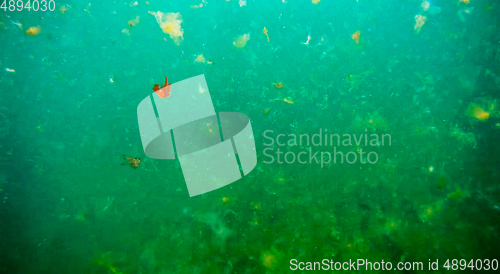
<point>200,59</point>
<point>419,22</point>
<point>355,36</point>
<point>34,30</point>
<point>425,5</point>
<point>241,40</point>
<point>170,23</point>
<point>201,5</point>
<point>133,22</point>
<point>477,112</point>
<point>271,258</point>
<point>63,9</point>
<point>265,32</point>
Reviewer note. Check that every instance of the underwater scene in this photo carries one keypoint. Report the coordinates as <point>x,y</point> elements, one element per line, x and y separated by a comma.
<point>373,134</point>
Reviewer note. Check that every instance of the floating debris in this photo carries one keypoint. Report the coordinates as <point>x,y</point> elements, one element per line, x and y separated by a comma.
<point>265,32</point>
<point>201,5</point>
<point>355,36</point>
<point>425,5</point>
<point>63,9</point>
<point>109,202</point>
<point>34,30</point>
<point>477,112</point>
<point>133,22</point>
<point>170,23</point>
<point>271,258</point>
<point>463,13</point>
<point>200,59</point>
<point>419,22</point>
<point>87,9</point>
<point>482,109</point>
<point>241,40</point>
<point>308,39</point>
<point>133,162</point>
<point>18,24</point>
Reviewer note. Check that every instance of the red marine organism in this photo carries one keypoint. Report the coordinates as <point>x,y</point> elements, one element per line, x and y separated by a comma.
<point>164,91</point>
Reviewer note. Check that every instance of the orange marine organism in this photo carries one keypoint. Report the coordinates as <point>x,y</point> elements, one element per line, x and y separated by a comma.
<point>34,30</point>
<point>133,162</point>
<point>355,36</point>
<point>164,91</point>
